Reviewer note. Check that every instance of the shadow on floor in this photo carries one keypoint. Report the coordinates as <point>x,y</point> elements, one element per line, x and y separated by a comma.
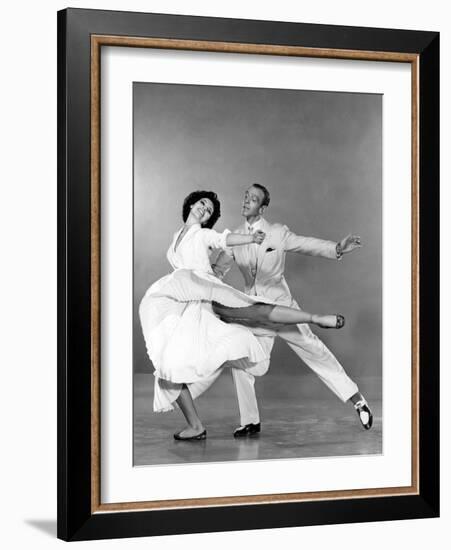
<point>46,526</point>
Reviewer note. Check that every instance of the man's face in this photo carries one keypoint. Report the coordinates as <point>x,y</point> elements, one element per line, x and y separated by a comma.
<point>252,202</point>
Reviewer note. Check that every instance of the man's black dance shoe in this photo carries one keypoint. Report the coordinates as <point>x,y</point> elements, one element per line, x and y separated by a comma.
<point>245,431</point>
<point>364,413</point>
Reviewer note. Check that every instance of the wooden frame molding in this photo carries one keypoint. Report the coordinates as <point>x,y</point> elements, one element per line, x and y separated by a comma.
<point>97,41</point>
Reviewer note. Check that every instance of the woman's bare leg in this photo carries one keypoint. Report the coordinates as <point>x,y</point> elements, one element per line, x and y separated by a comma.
<point>259,314</point>
<point>186,404</point>
<point>289,315</point>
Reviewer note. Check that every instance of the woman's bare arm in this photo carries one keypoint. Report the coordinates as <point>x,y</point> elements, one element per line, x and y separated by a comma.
<point>237,239</point>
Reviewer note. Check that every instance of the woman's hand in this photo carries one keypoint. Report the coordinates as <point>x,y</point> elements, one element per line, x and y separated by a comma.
<point>259,236</point>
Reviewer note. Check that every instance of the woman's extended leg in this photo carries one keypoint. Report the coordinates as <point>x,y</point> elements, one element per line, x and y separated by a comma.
<point>195,429</point>
<point>260,313</point>
<point>292,316</point>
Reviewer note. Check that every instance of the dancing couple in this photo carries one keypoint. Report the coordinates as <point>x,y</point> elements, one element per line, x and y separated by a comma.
<point>194,324</point>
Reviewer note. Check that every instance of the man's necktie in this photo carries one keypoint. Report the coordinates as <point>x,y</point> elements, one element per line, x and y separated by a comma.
<point>252,255</point>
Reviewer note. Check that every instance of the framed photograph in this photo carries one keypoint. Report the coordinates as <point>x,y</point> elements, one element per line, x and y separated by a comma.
<point>248,274</point>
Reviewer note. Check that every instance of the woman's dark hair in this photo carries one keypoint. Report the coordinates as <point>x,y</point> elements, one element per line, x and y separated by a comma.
<point>195,196</point>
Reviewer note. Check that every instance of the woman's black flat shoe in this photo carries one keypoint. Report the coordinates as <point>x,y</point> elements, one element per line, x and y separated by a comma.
<point>198,437</point>
<point>340,321</point>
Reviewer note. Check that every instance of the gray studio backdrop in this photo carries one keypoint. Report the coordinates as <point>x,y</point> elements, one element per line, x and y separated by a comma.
<point>320,156</point>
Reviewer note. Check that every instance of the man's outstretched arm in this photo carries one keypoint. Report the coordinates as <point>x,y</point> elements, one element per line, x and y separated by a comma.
<point>320,247</point>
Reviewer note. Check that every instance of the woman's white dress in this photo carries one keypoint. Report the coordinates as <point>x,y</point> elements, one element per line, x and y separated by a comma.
<point>186,341</point>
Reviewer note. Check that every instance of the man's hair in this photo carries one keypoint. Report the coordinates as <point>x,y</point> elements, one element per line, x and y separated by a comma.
<point>195,196</point>
<point>266,194</point>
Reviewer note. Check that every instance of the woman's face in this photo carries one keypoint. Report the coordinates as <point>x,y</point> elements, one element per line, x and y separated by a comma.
<point>202,210</point>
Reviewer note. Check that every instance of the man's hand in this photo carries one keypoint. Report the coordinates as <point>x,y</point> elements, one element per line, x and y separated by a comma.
<point>348,244</point>
<point>259,236</point>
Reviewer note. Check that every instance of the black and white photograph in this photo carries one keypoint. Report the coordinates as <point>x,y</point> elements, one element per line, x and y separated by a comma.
<point>257,274</point>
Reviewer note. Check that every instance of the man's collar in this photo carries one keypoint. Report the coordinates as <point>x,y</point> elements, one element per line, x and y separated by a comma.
<point>256,225</point>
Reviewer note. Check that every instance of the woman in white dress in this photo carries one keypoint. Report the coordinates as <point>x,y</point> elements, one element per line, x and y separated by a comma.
<point>193,323</point>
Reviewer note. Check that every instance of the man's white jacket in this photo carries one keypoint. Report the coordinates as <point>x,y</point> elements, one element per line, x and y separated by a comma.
<point>265,276</point>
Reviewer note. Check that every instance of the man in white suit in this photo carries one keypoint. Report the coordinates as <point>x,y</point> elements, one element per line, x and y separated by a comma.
<point>263,270</point>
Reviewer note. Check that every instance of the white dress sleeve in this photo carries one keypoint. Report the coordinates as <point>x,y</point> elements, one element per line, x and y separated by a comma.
<point>213,239</point>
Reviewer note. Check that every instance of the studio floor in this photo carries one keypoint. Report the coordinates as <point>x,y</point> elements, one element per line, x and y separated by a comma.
<point>300,418</point>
